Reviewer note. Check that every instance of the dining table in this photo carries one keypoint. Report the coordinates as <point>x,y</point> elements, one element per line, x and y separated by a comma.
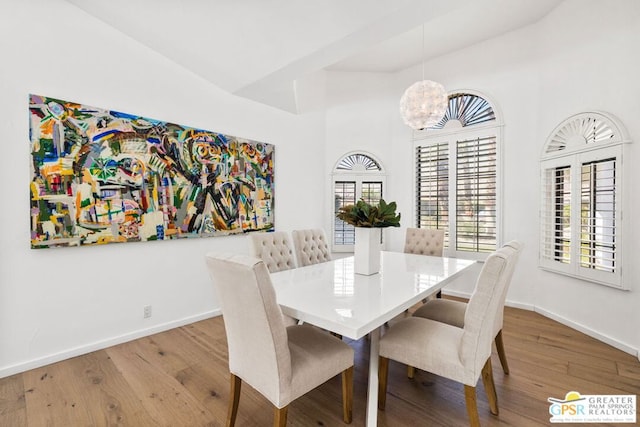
<point>332,296</point>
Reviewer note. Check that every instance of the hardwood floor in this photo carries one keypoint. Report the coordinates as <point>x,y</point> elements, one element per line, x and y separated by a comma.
<point>180,378</point>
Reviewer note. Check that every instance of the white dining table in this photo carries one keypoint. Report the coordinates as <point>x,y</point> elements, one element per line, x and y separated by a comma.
<point>332,296</point>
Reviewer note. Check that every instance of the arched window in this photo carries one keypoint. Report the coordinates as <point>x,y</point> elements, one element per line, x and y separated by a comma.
<point>458,176</point>
<point>582,199</point>
<point>356,176</point>
<point>466,109</point>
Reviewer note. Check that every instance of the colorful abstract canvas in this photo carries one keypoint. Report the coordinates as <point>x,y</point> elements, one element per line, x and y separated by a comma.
<point>100,176</point>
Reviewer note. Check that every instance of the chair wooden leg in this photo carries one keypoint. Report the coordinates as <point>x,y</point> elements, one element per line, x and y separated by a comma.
<point>411,372</point>
<point>234,400</point>
<point>347,395</point>
<point>383,374</point>
<point>501,354</point>
<point>280,416</point>
<point>472,405</point>
<point>490,387</point>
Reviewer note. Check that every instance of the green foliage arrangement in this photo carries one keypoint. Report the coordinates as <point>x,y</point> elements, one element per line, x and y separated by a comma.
<point>363,214</point>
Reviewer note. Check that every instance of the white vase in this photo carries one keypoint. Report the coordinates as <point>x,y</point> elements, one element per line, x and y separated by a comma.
<point>367,250</point>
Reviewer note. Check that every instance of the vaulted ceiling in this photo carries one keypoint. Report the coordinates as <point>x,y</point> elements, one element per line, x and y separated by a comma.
<point>258,48</point>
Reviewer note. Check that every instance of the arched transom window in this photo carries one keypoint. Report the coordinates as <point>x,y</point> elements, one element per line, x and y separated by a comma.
<point>358,162</point>
<point>466,109</point>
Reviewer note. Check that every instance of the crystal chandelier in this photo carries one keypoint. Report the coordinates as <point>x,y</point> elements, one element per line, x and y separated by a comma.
<point>424,103</point>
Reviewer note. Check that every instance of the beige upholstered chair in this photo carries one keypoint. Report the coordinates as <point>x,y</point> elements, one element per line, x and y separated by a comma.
<point>453,312</point>
<point>282,363</point>
<point>424,241</point>
<point>460,354</point>
<point>274,249</point>
<point>311,247</point>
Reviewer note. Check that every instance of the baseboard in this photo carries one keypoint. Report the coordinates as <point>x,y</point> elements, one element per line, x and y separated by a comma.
<point>99,345</point>
<point>588,331</point>
<point>585,330</point>
<point>520,305</point>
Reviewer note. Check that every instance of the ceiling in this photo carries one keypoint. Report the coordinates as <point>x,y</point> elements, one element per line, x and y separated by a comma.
<point>257,49</point>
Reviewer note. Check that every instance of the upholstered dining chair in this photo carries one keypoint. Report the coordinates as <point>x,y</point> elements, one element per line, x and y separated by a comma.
<point>282,363</point>
<point>424,241</point>
<point>311,246</point>
<point>453,312</point>
<point>460,354</point>
<point>274,249</point>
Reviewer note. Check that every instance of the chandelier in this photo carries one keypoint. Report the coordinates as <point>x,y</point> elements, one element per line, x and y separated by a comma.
<point>424,103</point>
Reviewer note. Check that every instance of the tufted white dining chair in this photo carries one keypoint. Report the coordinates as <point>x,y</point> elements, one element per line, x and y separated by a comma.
<point>453,312</point>
<point>460,354</point>
<point>424,241</point>
<point>282,363</point>
<point>274,249</point>
<point>311,246</point>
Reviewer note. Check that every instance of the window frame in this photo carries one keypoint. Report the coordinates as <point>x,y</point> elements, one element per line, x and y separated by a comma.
<point>574,154</point>
<point>451,133</point>
<point>360,176</point>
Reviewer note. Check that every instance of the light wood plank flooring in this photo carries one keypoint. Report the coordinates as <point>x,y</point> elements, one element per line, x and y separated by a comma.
<point>180,378</point>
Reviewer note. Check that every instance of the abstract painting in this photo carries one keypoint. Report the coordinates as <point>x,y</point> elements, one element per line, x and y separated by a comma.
<point>100,176</point>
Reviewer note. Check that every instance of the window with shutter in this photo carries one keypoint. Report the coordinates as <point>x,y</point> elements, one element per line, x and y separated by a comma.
<point>457,172</point>
<point>356,176</point>
<point>583,199</point>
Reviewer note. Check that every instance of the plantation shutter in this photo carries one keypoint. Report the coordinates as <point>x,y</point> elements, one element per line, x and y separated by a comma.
<point>476,199</point>
<point>344,194</point>
<point>371,192</point>
<point>556,215</point>
<point>598,215</point>
<point>432,187</point>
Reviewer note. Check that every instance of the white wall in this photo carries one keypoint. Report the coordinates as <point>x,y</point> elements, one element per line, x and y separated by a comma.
<point>359,107</point>
<point>582,56</point>
<point>56,303</point>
